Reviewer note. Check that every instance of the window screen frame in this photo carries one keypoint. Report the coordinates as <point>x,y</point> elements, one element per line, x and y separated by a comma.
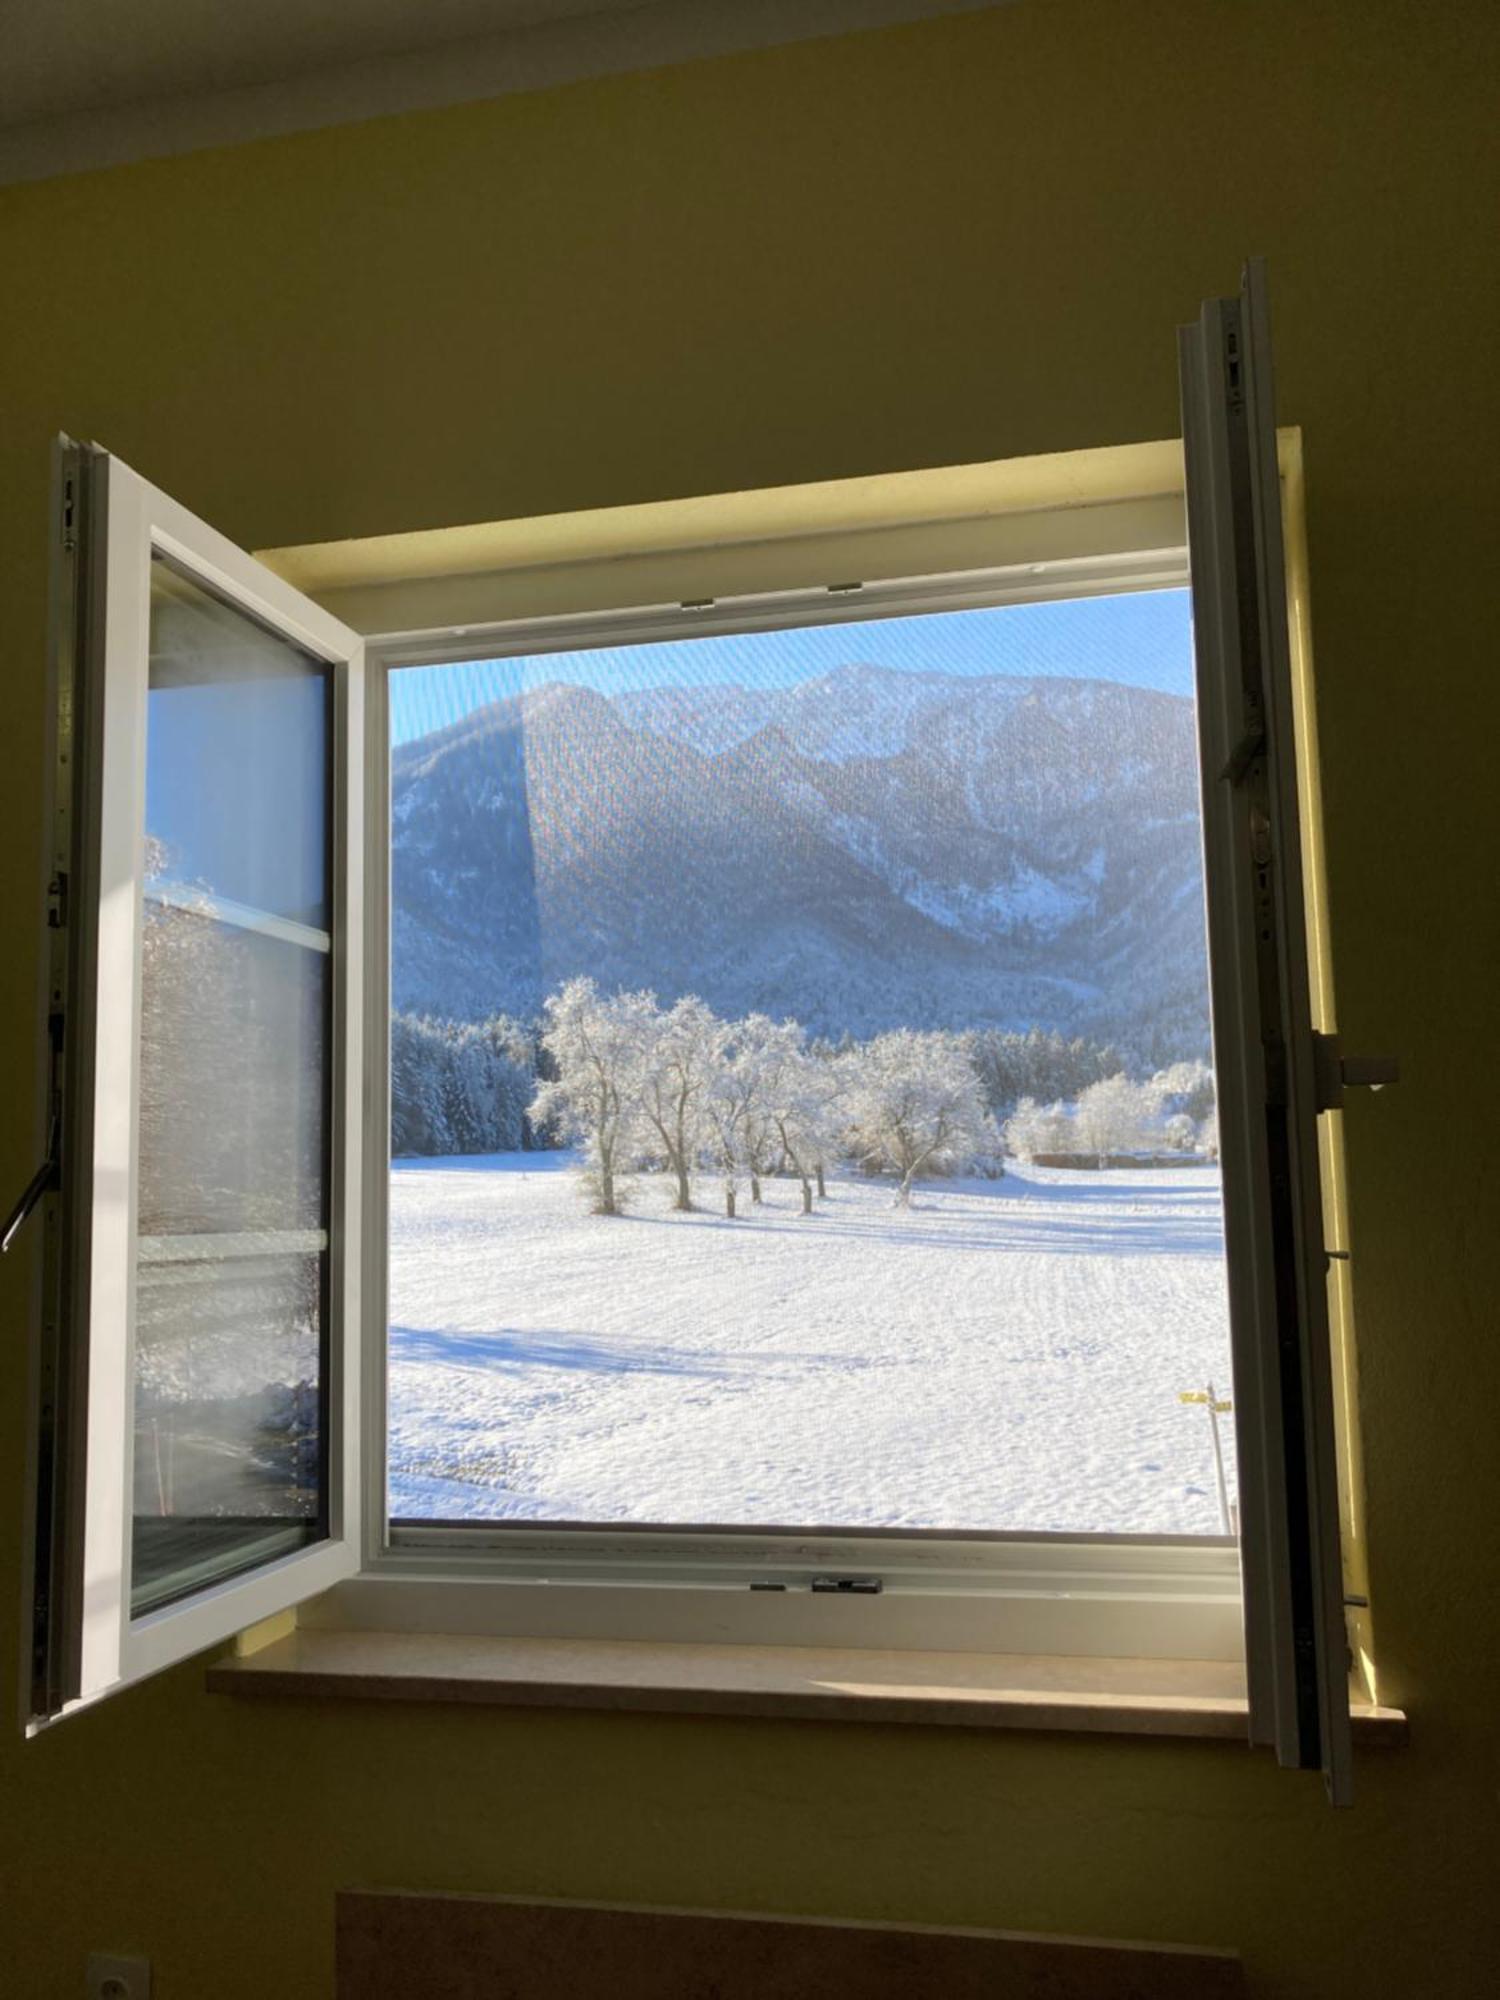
<point>1042,1592</point>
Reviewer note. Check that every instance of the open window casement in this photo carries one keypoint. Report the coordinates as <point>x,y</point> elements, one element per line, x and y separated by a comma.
<point>1269,1061</point>
<point>196,1449</point>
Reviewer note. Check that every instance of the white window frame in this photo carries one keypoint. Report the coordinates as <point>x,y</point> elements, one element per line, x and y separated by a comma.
<point>1142,1596</point>
<point>82,1640</point>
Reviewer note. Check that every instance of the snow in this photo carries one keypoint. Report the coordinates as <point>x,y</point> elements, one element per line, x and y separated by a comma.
<point>1026,898</point>
<point>1004,1355</point>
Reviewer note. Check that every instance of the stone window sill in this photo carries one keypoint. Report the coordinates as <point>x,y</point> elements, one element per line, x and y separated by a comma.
<point>1181,1698</point>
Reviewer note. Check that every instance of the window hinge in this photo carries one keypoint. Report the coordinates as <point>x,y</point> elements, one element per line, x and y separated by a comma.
<point>848,1586</point>
<point>1334,1072</point>
<point>1234,369</point>
<point>69,515</point>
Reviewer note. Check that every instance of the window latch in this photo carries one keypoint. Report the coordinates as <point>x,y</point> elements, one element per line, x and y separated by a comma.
<point>848,1586</point>
<point>42,1182</point>
<point>1250,743</point>
<point>1334,1072</point>
<point>1249,746</point>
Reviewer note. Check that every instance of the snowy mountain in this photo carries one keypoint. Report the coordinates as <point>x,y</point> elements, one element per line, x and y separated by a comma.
<point>863,850</point>
<point>859,711</point>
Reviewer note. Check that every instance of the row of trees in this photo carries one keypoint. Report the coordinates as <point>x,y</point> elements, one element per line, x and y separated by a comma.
<point>1039,1063</point>
<point>1171,1112</point>
<point>679,1091</point>
<point>637,1084</point>
<point>461,1086</point>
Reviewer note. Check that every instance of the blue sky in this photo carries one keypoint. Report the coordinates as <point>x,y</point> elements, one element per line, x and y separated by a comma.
<point>1143,638</point>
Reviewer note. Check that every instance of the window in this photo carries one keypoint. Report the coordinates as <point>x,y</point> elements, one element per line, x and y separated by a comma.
<point>229,925</point>
<point>193,1447</point>
<point>801,1084</point>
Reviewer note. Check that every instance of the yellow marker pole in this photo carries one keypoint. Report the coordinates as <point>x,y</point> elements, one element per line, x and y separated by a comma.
<point>1215,1407</point>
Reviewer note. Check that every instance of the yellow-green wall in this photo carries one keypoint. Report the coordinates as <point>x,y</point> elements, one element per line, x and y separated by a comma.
<point>962,240</point>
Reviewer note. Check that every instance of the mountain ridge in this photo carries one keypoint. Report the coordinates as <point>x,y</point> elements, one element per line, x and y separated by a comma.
<point>861,850</point>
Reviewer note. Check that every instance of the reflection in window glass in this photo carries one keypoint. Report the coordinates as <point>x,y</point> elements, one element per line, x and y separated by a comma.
<point>232,1183</point>
<point>802,1102</point>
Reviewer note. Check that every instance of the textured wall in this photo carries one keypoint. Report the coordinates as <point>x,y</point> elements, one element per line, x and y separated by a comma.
<point>962,240</point>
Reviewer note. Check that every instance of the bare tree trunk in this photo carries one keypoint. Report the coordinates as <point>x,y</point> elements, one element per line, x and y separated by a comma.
<point>903,1193</point>
<point>822,1184</point>
<point>684,1191</point>
<point>729,1199</point>
<point>755,1189</point>
<point>607,1189</point>
<point>807,1207</point>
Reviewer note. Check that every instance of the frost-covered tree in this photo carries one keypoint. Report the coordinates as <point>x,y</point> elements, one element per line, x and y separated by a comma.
<point>682,1053</point>
<point>792,1098</point>
<point>915,1107</point>
<point>1038,1131</point>
<point>829,1085</point>
<point>1184,1087</point>
<point>726,1108</point>
<point>488,1079</point>
<point>753,1062</point>
<point>596,1043</point>
<point>1115,1116</point>
<point>418,1122</point>
<point>459,1086</point>
<point>1040,1064</point>
<point>741,1131</point>
<point>1179,1133</point>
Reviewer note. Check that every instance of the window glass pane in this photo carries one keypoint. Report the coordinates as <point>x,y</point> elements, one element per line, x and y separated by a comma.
<point>802,1106</point>
<point>236,755</point>
<point>228,1429</point>
<point>232,1189</point>
<point>232,1075</point>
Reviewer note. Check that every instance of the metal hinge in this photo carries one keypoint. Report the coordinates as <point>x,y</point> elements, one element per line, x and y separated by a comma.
<point>1334,1072</point>
<point>1234,367</point>
<point>849,1586</point>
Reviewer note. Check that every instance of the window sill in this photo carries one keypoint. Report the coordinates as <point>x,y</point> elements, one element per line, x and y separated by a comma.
<point>1189,1698</point>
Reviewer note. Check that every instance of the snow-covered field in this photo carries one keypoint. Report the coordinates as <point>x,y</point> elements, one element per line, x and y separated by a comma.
<point>1004,1355</point>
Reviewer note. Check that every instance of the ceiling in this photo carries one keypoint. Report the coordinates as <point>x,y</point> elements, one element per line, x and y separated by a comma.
<point>65,56</point>
<point>96,83</point>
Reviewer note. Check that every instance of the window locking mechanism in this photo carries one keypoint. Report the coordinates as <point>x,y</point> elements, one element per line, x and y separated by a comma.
<point>42,1182</point>
<point>1250,745</point>
<point>1334,1072</point>
<point>848,1586</point>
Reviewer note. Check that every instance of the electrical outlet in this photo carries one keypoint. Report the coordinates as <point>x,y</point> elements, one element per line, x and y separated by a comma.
<point>111,1977</point>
